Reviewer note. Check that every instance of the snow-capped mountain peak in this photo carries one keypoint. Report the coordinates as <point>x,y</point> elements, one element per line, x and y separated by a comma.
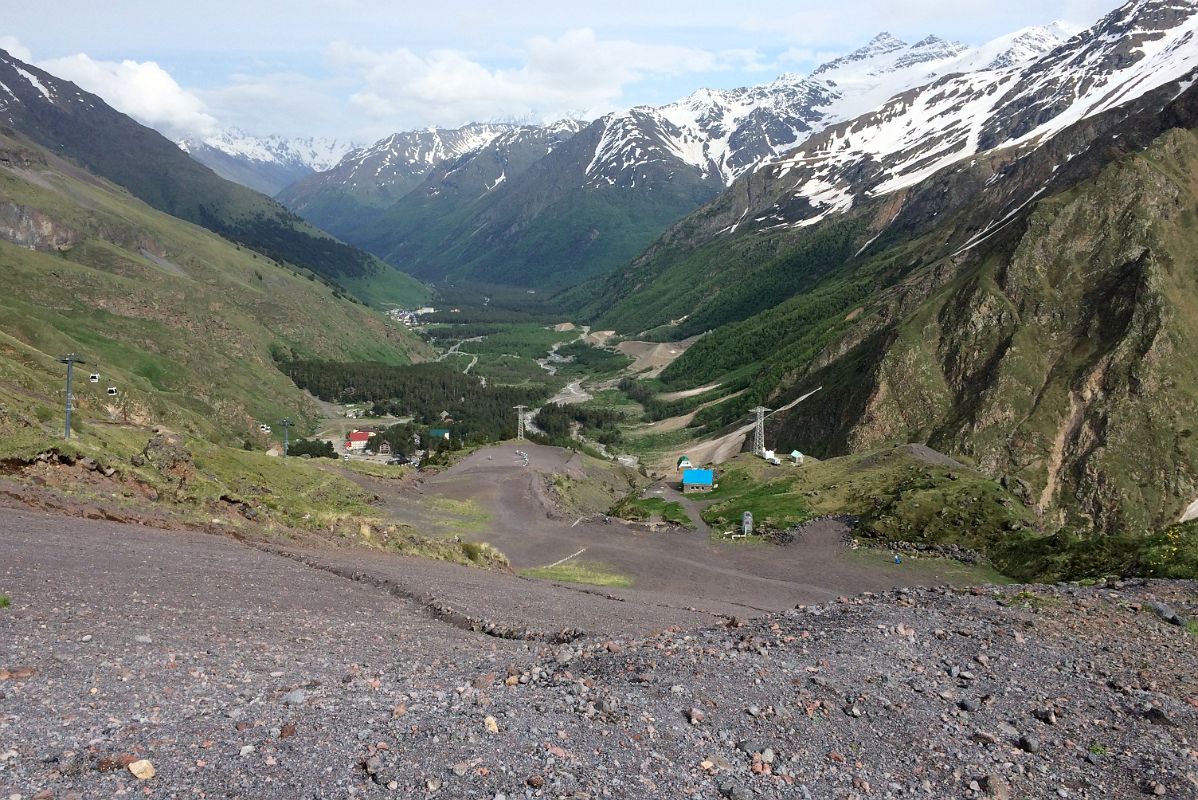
<point>725,133</point>
<point>880,45</point>
<point>1139,47</point>
<point>265,163</point>
<point>401,156</point>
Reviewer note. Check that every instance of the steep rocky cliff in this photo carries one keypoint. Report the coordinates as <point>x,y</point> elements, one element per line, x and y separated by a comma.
<point>1064,359</point>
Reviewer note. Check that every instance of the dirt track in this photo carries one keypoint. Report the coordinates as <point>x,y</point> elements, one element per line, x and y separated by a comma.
<point>722,448</point>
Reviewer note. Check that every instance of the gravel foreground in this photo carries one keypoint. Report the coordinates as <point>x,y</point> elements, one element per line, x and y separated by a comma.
<point>231,672</point>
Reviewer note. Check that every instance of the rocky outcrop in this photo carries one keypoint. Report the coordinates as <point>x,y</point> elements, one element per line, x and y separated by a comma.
<point>28,227</point>
<point>168,455</point>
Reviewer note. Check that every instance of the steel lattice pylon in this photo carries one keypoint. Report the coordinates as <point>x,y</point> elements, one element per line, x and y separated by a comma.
<point>759,430</point>
<point>519,422</point>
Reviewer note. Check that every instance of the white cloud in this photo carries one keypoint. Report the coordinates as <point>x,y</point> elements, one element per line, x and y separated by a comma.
<point>13,45</point>
<point>287,103</point>
<point>551,77</point>
<point>143,90</point>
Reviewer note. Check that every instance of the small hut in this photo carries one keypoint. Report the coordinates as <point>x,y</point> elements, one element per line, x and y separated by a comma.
<point>697,480</point>
<point>684,462</point>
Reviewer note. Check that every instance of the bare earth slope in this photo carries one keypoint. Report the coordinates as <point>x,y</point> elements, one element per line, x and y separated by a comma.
<point>239,673</point>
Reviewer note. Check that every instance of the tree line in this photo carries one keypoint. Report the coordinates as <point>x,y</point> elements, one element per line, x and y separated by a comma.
<point>600,424</point>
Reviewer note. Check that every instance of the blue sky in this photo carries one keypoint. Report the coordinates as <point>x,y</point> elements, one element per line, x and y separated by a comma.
<point>361,69</point>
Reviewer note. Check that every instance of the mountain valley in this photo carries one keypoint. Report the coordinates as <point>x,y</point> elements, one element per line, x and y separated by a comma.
<point>831,436</point>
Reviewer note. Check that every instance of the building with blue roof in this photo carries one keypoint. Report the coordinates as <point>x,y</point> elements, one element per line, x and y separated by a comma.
<point>697,480</point>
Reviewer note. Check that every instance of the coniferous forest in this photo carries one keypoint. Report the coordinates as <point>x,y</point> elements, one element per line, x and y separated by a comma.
<point>432,394</point>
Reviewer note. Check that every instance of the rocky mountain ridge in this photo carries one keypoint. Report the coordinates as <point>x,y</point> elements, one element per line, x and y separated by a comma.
<point>1024,307</point>
<point>1128,53</point>
<point>350,197</point>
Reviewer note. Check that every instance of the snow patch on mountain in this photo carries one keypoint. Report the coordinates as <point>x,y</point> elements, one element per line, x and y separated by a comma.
<point>415,152</point>
<point>37,84</point>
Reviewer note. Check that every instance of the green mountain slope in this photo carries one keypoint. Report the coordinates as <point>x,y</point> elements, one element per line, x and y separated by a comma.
<point>185,324</point>
<point>546,224</point>
<point>1032,312</point>
<point>70,122</point>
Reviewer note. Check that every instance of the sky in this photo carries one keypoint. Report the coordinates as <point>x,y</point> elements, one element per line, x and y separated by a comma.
<point>361,69</point>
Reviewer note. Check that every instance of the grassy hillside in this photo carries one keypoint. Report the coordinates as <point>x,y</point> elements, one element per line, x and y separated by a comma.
<point>184,323</point>
<point>723,281</point>
<point>82,127</point>
<point>912,495</point>
<point>573,237</point>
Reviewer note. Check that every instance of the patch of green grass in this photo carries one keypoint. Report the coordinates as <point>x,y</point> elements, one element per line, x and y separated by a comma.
<point>642,508</point>
<point>649,444</point>
<point>458,516</point>
<point>615,400</point>
<point>1191,626</point>
<point>775,503</point>
<point>528,341</point>
<point>407,541</point>
<point>591,573</point>
<point>374,469</point>
<point>5,602</point>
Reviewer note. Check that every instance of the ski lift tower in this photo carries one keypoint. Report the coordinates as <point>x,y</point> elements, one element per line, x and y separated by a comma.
<point>519,422</point>
<point>286,423</point>
<point>759,431</point>
<point>70,359</point>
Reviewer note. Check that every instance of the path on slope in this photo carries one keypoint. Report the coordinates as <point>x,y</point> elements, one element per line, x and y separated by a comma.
<point>455,350</point>
<point>722,448</point>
